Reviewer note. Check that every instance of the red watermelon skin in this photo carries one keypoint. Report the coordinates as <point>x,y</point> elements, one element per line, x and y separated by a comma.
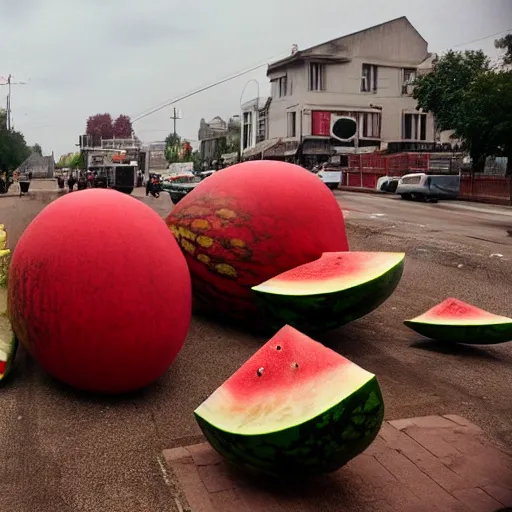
<point>99,292</point>
<point>248,223</point>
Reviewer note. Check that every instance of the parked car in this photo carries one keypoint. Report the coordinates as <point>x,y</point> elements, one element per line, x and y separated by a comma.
<point>331,175</point>
<point>180,188</point>
<point>387,184</point>
<point>424,187</point>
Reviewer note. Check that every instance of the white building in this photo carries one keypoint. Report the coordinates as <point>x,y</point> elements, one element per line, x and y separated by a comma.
<point>366,75</point>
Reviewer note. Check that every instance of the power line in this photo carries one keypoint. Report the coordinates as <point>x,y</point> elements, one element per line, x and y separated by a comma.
<point>202,89</point>
<point>254,68</point>
<point>480,39</point>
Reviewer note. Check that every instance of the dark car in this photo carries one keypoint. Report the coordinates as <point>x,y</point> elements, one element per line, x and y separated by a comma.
<point>178,190</point>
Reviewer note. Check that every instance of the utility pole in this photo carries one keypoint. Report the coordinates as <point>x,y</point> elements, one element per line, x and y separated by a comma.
<point>10,83</point>
<point>175,117</point>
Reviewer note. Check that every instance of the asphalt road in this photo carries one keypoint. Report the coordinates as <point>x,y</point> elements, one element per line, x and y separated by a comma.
<point>67,451</point>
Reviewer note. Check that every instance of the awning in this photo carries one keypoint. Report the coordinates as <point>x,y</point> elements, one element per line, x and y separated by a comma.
<point>260,147</point>
<point>317,147</point>
<point>283,149</point>
<point>229,158</point>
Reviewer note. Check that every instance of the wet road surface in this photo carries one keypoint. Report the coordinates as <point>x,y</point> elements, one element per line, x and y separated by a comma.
<point>67,451</point>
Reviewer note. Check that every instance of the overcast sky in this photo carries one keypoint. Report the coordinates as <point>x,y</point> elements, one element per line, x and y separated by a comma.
<point>81,57</point>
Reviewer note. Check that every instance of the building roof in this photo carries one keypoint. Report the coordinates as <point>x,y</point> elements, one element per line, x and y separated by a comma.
<point>299,55</point>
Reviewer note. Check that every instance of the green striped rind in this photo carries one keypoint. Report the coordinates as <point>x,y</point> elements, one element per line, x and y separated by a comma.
<point>320,445</point>
<point>322,312</point>
<point>5,260</point>
<point>489,334</point>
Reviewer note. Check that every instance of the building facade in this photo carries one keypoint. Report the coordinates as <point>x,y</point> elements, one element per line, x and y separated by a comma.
<point>254,125</point>
<point>366,76</point>
<point>218,138</point>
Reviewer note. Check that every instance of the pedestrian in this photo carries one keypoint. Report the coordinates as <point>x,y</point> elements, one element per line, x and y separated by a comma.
<point>71,182</point>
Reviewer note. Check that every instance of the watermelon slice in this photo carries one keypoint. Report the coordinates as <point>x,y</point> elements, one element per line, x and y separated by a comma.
<point>295,408</point>
<point>8,342</point>
<point>458,322</point>
<point>331,291</point>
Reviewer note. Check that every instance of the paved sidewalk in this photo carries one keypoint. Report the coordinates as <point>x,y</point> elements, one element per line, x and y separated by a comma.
<point>424,464</point>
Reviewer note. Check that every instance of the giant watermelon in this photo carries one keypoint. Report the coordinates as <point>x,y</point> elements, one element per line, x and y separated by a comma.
<point>331,291</point>
<point>250,222</point>
<point>99,292</point>
<point>454,321</point>
<point>294,409</point>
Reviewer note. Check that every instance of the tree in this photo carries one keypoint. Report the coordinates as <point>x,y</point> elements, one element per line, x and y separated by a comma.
<point>173,146</point>
<point>100,126</point>
<point>13,148</point>
<point>444,93</point>
<point>123,127</point>
<point>36,148</point>
<point>485,122</point>
<point>505,43</point>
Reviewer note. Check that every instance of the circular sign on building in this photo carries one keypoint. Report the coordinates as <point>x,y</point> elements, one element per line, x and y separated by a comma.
<point>344,128</point>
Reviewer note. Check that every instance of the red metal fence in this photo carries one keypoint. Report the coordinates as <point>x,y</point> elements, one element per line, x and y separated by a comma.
<point>364,171</point>
<point>491,189</point>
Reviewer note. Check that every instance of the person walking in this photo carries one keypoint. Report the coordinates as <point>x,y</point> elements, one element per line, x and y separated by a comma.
<point>71,182</point>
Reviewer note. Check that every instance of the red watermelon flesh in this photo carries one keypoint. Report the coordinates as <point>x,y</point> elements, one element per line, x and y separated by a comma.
<point>331,291</point>
<point>456,321</point>
<point>290,409</point>
<point>99,292</point>
<point>250,222</point>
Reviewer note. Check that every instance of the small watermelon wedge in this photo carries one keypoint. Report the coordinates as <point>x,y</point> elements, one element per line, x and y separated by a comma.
<point>331,291</point>
<point>294,409</point>
<point>458,322</point>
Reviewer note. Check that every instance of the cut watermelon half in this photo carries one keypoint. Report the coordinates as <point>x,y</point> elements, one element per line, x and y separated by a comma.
<point>295,408</point>
<point>458,322</point>
<point>329,292</point>
<point>8,342</point>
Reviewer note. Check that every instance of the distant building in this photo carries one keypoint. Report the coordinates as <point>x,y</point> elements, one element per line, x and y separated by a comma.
<point>367,76</point>
<point>39,166</point>
<point>217,138</point>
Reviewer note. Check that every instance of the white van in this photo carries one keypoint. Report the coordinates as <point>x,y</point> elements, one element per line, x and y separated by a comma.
<point>432,187</point>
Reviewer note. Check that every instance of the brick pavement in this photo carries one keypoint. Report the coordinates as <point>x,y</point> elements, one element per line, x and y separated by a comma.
<point>428,464</point>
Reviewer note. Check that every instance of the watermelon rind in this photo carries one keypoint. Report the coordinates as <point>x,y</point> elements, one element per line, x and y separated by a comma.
<point>8,342</point>
<point>491,334</point>
<point>455,321</point>
<point>321,312</point>
<point>320,445</point>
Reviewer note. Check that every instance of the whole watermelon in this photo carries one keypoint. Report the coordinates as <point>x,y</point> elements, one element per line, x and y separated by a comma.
<point>248,223</point>
<point>99,292</point>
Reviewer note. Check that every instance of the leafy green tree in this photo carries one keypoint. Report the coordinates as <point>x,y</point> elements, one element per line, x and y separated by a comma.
<point>442,91</point>
<point>485,121</point>
<point>505,43</point>
<point>13,148</point>
<point>463,93</point>
<point>173,145</point>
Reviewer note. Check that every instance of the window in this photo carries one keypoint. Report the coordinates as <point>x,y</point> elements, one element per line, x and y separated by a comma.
<point>370,78</point>
<point>369,125</point>
<point>279,87</point>
<point>247,140</point>
<point>282,84</point>
<point>292,123</point>
<point>409,76</point>
<point>316,77</point>
<point>414,127</point>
